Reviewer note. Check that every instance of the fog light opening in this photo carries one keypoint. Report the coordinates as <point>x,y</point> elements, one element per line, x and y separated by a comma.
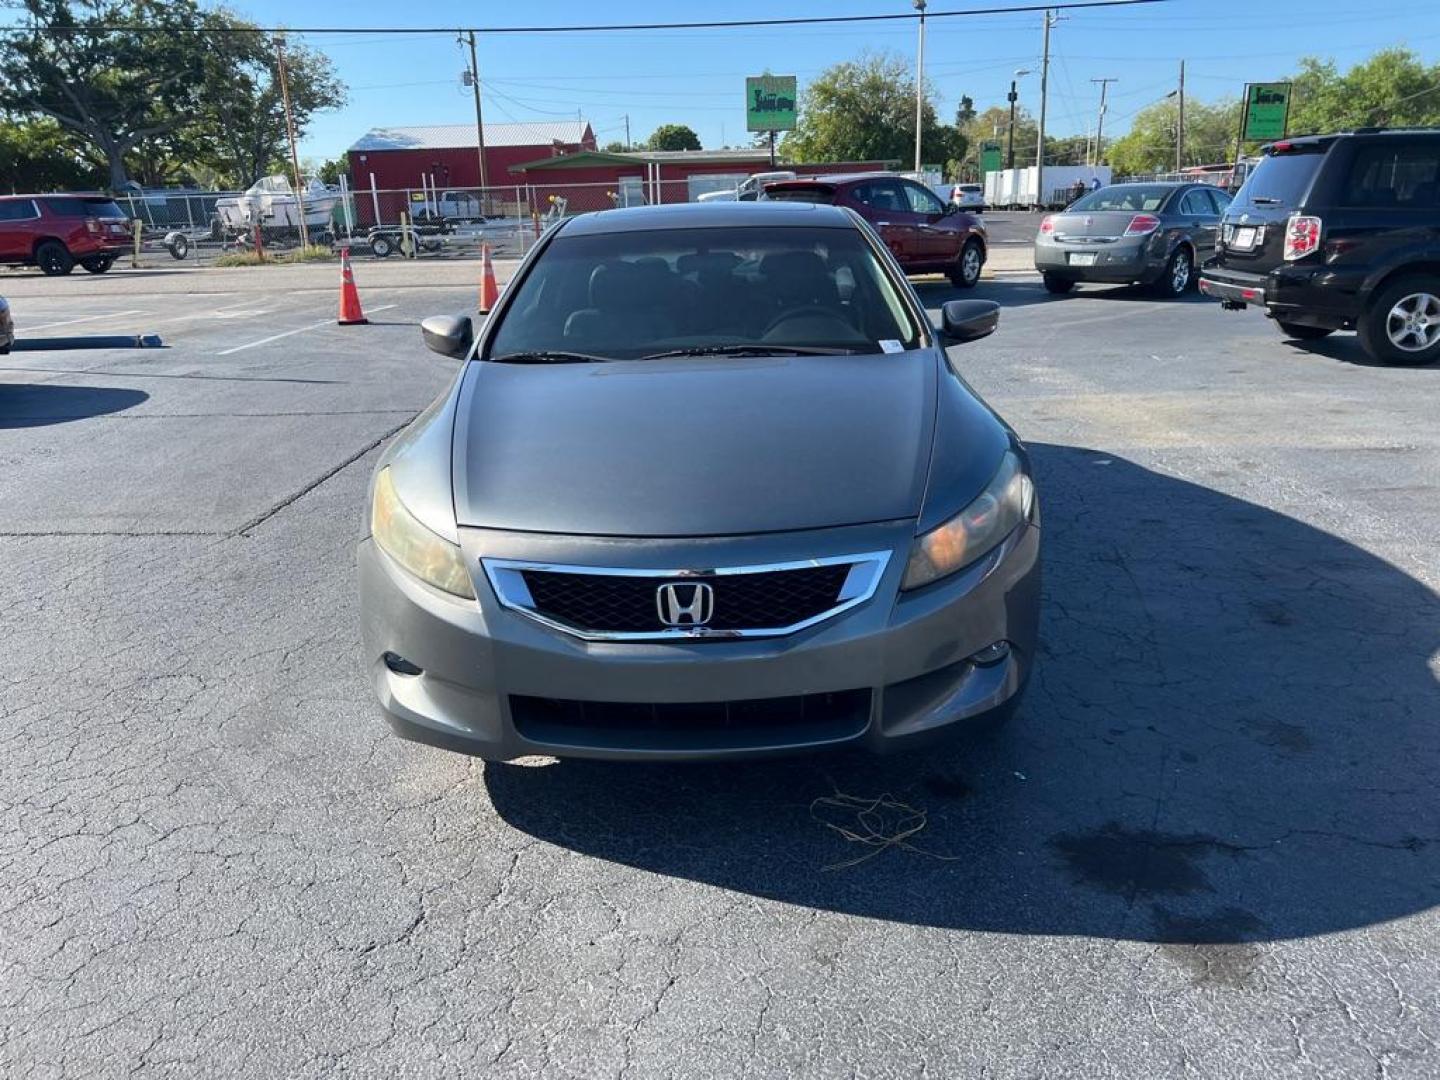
<point>399,665</point>
<point>992,654</point>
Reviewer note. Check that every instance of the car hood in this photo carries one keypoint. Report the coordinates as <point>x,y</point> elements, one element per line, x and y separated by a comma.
<point>694,446</point>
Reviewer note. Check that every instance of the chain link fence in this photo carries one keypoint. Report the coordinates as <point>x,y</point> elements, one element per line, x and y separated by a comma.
<point>422,222</point>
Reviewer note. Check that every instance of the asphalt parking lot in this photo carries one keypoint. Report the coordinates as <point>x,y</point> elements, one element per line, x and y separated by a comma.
<point>1209,844</point>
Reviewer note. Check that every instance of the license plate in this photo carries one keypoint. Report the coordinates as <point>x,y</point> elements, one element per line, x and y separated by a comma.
<point>1082,258</point>
<point>1244,238</point>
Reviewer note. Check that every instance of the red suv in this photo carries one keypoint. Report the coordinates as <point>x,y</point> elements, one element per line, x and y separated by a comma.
<point>925,235</point>
<point>54,232</point>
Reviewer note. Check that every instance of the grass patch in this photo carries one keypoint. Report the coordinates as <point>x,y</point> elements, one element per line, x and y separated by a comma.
<point>313,253</point>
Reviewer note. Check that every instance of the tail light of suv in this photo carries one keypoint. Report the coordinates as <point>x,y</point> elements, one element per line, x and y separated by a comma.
<point>1302,236</point>
<point>1142,225</point>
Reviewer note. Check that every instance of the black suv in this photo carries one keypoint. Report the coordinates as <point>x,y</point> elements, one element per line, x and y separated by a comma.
<point>1340,232</point>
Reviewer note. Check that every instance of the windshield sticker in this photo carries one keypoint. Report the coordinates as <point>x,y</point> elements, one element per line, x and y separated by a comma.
<point>891,345</point>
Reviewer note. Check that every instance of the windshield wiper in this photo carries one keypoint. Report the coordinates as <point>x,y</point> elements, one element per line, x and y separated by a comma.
<point>750,350</point>
<point>548,356</point>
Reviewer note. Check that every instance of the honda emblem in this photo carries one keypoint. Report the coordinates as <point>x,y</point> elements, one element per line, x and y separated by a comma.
<point>685,603</point>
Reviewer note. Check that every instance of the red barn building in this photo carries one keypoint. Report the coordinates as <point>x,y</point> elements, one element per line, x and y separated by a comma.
<point>397,158</point>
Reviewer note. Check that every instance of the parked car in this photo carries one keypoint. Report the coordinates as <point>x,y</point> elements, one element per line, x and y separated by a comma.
<point>1155,234</point>
<point>968,197</point>
<point>7,328</point>
<point>54,232</point>
<point>924,234</point>
<point>707,485</point>
<point>1340,232</point>
<point>748,189</point>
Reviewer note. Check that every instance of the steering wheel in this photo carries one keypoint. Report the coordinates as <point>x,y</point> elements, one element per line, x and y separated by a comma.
<point>801,312</point>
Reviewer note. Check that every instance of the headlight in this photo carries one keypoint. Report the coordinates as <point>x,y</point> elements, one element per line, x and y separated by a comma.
<point>955,544</point>
<point>432,559</point>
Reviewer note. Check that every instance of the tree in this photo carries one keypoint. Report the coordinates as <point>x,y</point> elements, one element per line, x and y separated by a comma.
<point>40,155</point>
<point>175,91</point>
<point>1393,88</point>
<point>673,137</point>
<point>964,112</point>
<point>864,110</point>
<point>112,89</point>
<point>1149,146</point>
<point>239,131</point>
<point>615,146</point>
<point>993,125</point>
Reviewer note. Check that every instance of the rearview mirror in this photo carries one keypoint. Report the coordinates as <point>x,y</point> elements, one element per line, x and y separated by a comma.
<point>968,320</point>
<point>448,335</point>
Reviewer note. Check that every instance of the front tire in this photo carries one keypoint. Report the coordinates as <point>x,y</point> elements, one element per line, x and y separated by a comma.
<point>1056,284</point>
<point>1300,332</point>
<point>54,259</point>
<point>98,264</point>
<point>1179,275</point>
<point>966,274</point>
<point>1401,324</point>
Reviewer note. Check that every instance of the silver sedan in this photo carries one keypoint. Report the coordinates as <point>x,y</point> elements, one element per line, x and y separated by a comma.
<point>1153,234</point>
<point>706,485</point>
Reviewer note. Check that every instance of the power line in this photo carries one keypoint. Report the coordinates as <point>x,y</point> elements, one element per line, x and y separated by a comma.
<point>717,24</point>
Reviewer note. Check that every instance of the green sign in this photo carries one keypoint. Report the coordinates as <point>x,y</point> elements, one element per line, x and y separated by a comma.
<point>990,156</point>
<point>1267,111</point>
<point>770,103</point>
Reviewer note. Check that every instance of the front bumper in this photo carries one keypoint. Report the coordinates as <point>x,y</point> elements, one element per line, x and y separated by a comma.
<point>906,658</point>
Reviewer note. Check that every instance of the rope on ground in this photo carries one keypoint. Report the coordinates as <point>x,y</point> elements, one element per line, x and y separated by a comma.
<point>879,824</point>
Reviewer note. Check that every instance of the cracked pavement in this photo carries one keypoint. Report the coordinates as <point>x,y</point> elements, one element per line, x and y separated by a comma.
<point>1208,846</point>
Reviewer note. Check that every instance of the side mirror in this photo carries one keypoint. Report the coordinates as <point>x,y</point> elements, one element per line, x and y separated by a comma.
<point>968,320</point>
<point>448,335</point>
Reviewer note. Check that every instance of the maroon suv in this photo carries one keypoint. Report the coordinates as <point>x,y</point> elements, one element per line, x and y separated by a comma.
<point>925,235</point>
<point>54,232</point>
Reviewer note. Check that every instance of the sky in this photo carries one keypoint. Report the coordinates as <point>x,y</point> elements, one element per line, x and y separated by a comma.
<point>696,77</point>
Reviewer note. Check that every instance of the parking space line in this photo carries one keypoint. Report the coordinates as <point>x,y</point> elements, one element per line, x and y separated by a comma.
<point>292,333</point>
<point>72,322</point>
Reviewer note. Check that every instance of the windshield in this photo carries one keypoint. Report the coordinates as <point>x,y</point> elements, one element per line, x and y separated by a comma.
<point>627,295</point>
<point>1130,197</point>
<point>1280,180</point>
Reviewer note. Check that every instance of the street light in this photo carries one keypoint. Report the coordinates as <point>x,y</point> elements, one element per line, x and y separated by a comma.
<point>919,80</point>
<point>1020,73</point>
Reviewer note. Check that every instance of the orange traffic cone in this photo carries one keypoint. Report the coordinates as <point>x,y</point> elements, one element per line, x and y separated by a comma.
<point>489,291</point>
<point>351,314</point>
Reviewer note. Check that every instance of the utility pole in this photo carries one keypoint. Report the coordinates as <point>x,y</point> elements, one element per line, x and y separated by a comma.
<point>1050,20</point>
<point>627,131</point>
<point>479,118</point>
<point>1013,97</point>
<point>1180,127</point>
<point>1100,123</point>
<point>919,82</point>
<point>290,132</point>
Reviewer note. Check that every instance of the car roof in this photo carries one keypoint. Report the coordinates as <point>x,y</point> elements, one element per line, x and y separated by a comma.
<point>60,195</point>
<point>713,215</point>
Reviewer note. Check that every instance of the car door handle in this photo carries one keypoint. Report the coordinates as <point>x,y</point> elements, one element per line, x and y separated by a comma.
<point>884,223</point>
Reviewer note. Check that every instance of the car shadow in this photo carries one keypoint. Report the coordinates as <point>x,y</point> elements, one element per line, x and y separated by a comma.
<point>1010,292</point>
<point>26,405</point>
<point>1346,349</point>
<point>89,341</point>
<point>1230,737</point>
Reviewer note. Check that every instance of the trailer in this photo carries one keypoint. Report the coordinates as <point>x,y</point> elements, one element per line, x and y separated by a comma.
<point>1014,189</point>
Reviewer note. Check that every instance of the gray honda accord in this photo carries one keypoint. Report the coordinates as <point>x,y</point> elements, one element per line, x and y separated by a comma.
<point>706,485</point>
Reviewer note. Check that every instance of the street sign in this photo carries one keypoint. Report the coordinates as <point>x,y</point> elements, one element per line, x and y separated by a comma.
<point>1267,111</point>
<point>770,103</point>
<point>990,156</point>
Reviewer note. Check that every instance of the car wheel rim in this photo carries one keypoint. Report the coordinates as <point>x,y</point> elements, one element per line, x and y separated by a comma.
<point>1180,276</point>
<point>1413,324</point>
<point>970,265</point>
